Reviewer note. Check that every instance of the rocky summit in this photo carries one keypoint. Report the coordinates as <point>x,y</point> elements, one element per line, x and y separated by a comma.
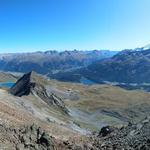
<point>30,84</point>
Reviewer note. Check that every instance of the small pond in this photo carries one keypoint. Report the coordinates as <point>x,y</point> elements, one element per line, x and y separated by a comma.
<point>86,81</point>
<point>6,84</point>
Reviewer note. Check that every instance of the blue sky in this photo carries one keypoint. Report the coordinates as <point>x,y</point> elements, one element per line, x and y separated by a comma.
<point>33,25</point>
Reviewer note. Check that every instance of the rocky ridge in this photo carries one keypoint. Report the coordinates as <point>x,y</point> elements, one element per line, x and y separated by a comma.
<point>29,84</point>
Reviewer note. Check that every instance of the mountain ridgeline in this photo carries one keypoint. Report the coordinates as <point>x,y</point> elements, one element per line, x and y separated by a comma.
<point>128,66</point>
<point>50,62</point>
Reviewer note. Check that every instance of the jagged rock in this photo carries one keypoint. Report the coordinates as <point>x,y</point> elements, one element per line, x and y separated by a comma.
<point>23,85</point>
<point>31,83</point>
<point>45,140</point>
<point>26,138</point>
<point>35,137</point>
<point>131,137</point>
<point>105,131</point>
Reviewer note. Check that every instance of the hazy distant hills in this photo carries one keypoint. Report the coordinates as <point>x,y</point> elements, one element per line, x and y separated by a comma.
<point>51,61</point>
<point>128,66</point>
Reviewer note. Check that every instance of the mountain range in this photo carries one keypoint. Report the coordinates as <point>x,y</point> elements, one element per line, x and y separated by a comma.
<point>126,67</point>
<point>50,62</point>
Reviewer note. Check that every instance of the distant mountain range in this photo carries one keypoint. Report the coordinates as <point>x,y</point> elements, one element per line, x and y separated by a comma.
<point>88,67</point>
<point>50,62</point>
<point>128,66</point>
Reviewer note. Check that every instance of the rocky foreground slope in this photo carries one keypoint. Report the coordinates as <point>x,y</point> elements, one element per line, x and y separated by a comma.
<point>27,137</point>
<point>131,137</point>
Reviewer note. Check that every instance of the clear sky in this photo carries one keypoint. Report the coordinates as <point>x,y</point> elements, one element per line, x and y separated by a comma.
<point>33,25</point>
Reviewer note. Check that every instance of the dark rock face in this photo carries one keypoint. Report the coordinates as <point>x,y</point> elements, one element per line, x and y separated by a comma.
<point>105,131</point>
<point>30,84</point>
<point>23,86</point>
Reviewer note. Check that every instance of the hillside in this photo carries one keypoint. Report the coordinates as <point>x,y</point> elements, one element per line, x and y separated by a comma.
<point>8,77</point>
<point>128,66</point>
<point>35,99</point>
<point>83,108</point>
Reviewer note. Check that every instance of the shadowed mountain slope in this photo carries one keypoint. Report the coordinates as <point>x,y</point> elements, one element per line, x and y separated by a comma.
<point>128,66</point>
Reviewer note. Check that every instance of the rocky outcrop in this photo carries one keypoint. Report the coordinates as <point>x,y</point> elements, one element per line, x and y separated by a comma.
<point>130,137</point>
<point>31,83</point>
<point>25,138</point>
<point>33,137</point>
<point>23,86</point>
<point>133,137</point>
